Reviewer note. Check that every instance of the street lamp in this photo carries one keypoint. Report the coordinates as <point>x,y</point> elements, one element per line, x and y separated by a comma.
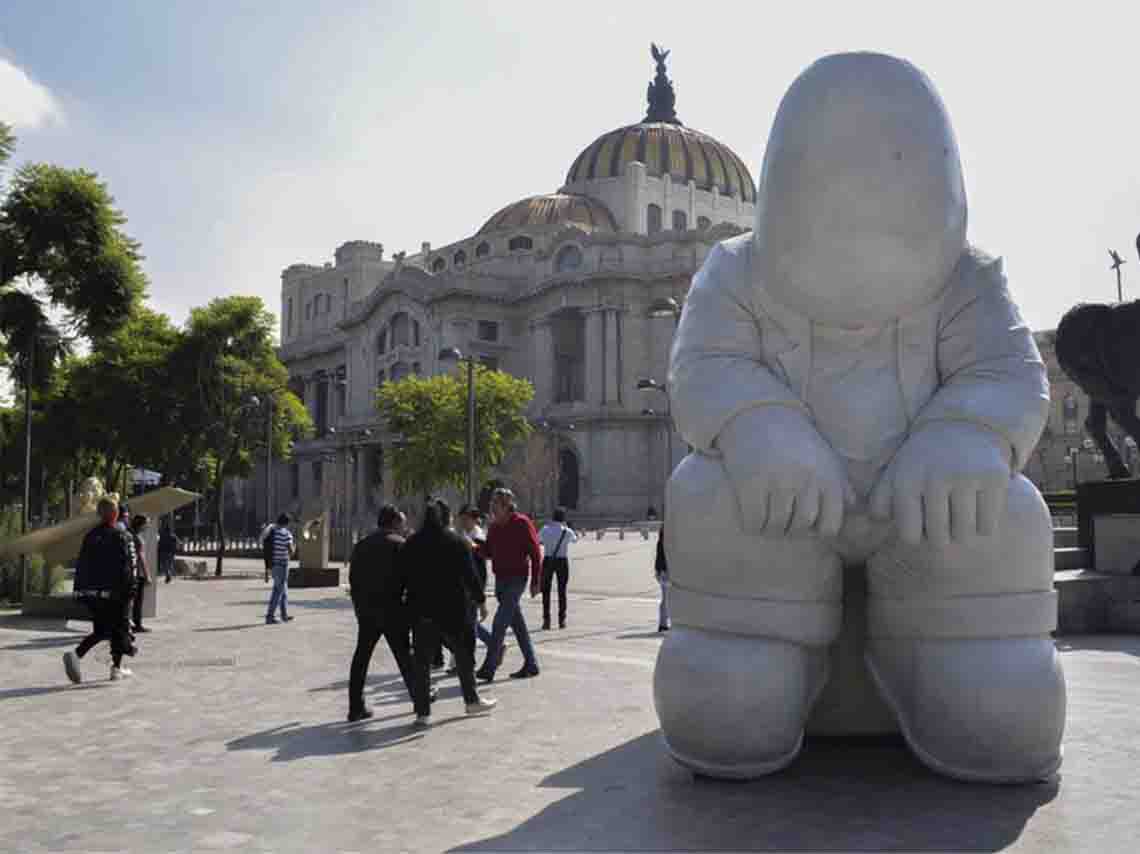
<point>653,385</point>
<point>452,354</point>
<point>665,307</point>
<point>37,336</point>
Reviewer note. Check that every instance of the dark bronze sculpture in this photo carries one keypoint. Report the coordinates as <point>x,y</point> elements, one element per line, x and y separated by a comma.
<point>662,98</point>
<point>1098,347</point>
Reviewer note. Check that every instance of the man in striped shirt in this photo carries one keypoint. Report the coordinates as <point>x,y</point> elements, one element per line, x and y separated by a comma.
<point>279,542</point>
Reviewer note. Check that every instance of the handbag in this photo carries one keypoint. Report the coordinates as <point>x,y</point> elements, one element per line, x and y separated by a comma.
<point>548,561</point>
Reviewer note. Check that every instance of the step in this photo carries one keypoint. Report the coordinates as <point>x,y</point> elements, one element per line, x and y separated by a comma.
<point>1064,537</point>
<point>1090,602</point>
<point>1070,557</point>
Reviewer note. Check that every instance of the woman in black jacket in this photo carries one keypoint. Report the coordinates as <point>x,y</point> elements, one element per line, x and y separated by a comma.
<point>442,586</point>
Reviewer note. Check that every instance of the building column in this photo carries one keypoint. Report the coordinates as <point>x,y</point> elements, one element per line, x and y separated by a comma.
<point>542,341</point>
<point>595,355</point>
<point>613,367</point>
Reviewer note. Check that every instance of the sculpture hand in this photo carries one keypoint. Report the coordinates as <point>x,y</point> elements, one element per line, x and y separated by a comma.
<point>949,480</point>
<point>786,476</point>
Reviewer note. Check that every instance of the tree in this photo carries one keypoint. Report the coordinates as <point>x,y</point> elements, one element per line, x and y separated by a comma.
<point>61,237</point>
<point>531,470</point>
<point>230,379</point>
<point>430,414</point>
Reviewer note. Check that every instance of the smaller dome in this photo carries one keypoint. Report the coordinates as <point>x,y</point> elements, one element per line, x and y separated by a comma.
<point>553,209</point>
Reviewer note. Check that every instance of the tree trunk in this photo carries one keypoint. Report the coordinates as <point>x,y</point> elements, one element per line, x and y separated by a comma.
<point>219,516</point>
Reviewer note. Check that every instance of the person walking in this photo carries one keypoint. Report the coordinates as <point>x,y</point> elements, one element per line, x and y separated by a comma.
<point>142,573</point>
<point>280,545</point>
<point>513,549</point>
<point>104,576</point>
<point>661,571</point>
<point>168,545</point>
<point>469,527</point>
<point>377,583</point>
<point>442,586</point>
<point>556,538</point>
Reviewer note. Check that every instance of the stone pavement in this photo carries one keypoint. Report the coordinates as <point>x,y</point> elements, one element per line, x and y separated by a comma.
<point>232,736</point>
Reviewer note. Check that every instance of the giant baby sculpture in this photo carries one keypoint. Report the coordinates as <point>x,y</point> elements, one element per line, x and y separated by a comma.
<point>859,388</point>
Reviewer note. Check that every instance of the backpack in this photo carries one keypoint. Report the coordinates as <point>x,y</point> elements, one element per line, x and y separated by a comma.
<point>267,546</point>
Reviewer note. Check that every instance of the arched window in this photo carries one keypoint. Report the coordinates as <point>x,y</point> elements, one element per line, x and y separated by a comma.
<point>382,342</point>
<point>704,223</point>
<point>459,259</point>
<point>680,221</point>
<point>438,265</point>
<point>653,219</point>
<point>483,249</point>
<point>568,258</point>
<point>401,330</point>
<point>520,243</point>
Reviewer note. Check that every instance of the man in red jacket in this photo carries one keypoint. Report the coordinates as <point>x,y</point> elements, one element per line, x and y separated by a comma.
<point>515,555</point>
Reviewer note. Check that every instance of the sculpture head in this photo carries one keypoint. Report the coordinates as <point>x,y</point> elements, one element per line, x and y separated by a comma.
<point>861,210</point>
<point>88,495</point>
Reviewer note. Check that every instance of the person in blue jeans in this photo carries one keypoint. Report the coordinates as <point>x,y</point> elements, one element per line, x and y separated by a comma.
<point>513,549</point>
<point>278,544</point>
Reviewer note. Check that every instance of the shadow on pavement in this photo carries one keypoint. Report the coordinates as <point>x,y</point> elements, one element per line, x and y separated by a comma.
<point>18,693</point>
<point>293,741</point>
<point>234,628</point>
<point>46,643</point>
<point>836,797</point>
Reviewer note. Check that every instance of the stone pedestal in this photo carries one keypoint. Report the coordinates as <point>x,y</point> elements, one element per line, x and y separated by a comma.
<point>1117,538</point>
<point>1103,498</point>
<point>313,551</point>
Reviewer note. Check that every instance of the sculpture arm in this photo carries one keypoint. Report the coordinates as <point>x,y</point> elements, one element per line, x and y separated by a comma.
<point>716,369</point>
<point>990,370</point>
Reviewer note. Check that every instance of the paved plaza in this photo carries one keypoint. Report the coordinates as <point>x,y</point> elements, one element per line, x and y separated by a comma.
<point>232,736</point>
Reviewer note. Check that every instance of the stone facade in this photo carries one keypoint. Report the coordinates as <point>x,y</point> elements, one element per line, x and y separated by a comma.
<point>556,289</point>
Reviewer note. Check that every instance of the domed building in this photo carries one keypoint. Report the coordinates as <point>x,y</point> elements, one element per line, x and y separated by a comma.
<point>571,289</point>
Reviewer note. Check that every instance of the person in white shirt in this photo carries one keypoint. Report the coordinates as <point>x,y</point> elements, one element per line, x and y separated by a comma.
<point>556,538</point>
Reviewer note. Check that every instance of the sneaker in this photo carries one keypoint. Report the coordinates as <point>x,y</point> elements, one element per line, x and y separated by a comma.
<point>71,665</point>
<point>285,619</point>
<point>561,624</point>
<point>118,673</point>
<point>525,673</point>
<point>482,706</point>
<point>359,714</point>
<point>485,675</point>
<point>422,721</point>
<point>546,625</point>
<point>662,628</point>
<point>270,621</point>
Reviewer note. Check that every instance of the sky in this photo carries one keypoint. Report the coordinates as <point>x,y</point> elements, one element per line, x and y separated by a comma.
<point>241,137</point>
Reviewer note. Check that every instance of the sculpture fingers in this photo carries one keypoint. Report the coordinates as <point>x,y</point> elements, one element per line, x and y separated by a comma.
<point>964,514</point>
<point>807,510</point>
<point>882,498</point>
<point>908,515</point>
<point>831,512</point>
<point>781,505</point>
<point>991,508</point>
<point>936,515</point>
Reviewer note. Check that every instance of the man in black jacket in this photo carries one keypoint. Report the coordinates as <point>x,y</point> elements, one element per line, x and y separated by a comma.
<point>442,586</point>
<point>104,579</point>
<point>377,587</point>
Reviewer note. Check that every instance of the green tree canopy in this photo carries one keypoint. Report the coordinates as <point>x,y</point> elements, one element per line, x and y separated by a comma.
<point>61,240</point>
<point>229,378</point>
<point>430,413</point>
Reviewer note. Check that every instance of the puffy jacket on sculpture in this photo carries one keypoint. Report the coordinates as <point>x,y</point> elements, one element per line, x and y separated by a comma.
<point>859,389</point>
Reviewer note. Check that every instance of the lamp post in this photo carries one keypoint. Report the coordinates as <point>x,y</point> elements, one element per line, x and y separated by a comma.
<point>36,337</point>
<point>452,354</point>
<point>653,385</point>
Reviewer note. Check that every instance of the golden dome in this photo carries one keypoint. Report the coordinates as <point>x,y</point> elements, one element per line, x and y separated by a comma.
<point>553,209</point>
<point>665,147</point>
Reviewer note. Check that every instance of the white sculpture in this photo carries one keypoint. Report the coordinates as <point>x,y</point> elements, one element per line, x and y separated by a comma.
<point>859,388</point>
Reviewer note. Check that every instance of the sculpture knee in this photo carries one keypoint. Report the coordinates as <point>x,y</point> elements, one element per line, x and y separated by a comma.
<point>725,579</point>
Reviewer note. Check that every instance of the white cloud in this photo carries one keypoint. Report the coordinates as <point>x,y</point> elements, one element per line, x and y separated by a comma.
<point>24,103</point>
